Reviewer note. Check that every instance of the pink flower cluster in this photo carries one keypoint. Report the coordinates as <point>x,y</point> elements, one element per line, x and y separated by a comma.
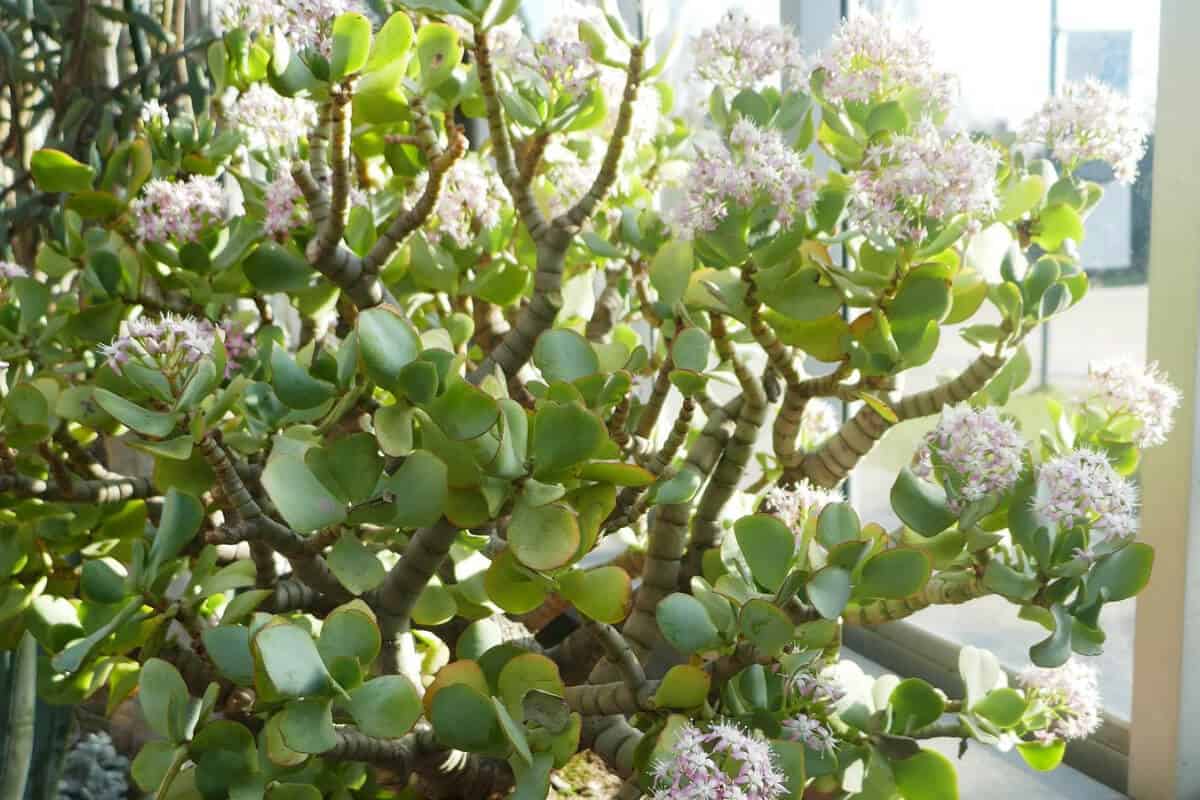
<point>559,58</point>
<point>757,166</point>
<point>980,451</point>
<point>178,211</point>
<point>171,341</point>
<point>723,763</point>
<point>9,269</point>
<point>471,199</point>
<point>1089,121</point>
<point>873,59</point>
<point>282,199</point>
<point>568,172</point>
<point>1082,488</point>
<point>1070,695</point>
<point>924,175</point>
<point>268,119</point>
<point>739,53</point>
<point>797,504</point>
<point>304,23</point>
<point>239,346</point>
<point>816,688</point>
<point>1143,393</point>
<point>810,731</point>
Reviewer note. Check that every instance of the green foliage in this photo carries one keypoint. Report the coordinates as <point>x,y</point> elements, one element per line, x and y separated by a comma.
<point>269,473</point>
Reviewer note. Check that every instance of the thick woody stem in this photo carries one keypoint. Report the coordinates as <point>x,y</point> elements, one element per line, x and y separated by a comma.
<point>309,567</point>
<point>658,396</point>
<point>318,145</point>
<point>398,594</point>
<point>944,588</point>
<point>612,737</point>
<point>631,501</point>
<point>334,223</point>
<point>706,530</point>
<point>292,595</point>
<point>791,412</point>
<point>607,175</point>
<point>602,699</point>
<point>662,459</point>
<point>608,307</point>
<point>342,267</point>
<point>440,163</point>
<point>445,773</point>
<point>617,423</point>
<point>534,319</point>
<point>455,774</point>
<point>797,391</point>
<point>552,239</point>
<point>265,574</point>
<point>667,539</point>
<point>80,459</point>
<point>502,149</point>
<point>104,490</point>
<point>834,460</point>
<point>576,654</point>
<point>619,652</point>
<point>328,209</point>
<point>614,740</point>
<point>533,148</point>
<point>399,755</point>
<point>779,355</point>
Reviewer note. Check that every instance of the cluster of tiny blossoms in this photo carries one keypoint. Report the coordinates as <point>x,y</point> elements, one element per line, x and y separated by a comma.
<point>154,114</point>
<point>797,504</point>
<point>304,23</point>
<point>178,210</point>
<point>1089,121</point>
<point>811,731</point>
<point>758,165</point>
<point>873,58</point>
<point>281,200</point>
<point>567,173</point>
<point>924,175</point>
<point>239,346</point>
<point>980,451</point>
<point>1082,488</point>
<point>559,58</point>
<point>1145,394</point>
<point>470,200</point>
<point>739,53</point>
<point>1070,695</point>
<point>722,763</point>
<point>178,340</point>
<point>816,688</point>
<point>9,269</point>
<point>268,119</point>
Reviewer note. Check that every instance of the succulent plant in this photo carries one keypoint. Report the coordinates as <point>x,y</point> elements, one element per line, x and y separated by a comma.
<point>94,770</point>
<point>398,394</point>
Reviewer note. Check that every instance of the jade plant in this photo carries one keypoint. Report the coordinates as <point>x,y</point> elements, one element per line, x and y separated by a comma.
<point>316,410</point>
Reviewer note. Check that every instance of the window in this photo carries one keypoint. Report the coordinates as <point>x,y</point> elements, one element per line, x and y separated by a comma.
<point>1008,56</point>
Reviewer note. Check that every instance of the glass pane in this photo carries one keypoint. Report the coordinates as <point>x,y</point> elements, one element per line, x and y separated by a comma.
<point>1008,56</point>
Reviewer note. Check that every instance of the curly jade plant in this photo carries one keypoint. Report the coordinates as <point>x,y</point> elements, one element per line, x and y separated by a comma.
<point>316,411</point>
